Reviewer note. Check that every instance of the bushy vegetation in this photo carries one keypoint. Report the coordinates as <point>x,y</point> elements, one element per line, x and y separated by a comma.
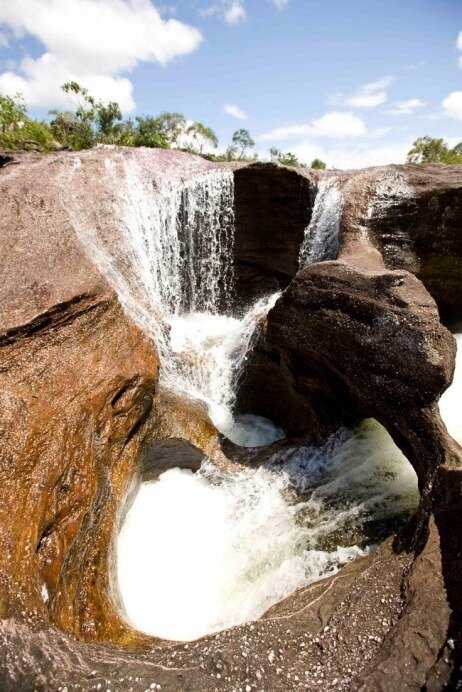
<point>429,150</point>
<point>93,122</point>
<point>18,131</point>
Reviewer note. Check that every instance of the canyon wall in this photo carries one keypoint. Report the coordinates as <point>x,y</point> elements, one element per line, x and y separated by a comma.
<point>81,410</point>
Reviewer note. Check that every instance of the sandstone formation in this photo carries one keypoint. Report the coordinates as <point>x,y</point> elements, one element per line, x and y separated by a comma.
<point>82,416</point>
<point>415,219</point>
<point>273,208</point>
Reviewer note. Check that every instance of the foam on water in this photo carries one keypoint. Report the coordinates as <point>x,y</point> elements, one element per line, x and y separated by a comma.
<point>200,552</point>
<point>207,352</point>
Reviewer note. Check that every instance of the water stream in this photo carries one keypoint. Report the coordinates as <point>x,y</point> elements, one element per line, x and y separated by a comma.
<point>321,240</point>
<point>199,552</point>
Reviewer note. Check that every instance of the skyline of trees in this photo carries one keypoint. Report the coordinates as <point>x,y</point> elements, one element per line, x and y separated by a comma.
<point>93,122</point>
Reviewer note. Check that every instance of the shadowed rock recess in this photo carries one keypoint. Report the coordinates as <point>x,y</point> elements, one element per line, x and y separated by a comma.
<point>83,420</point>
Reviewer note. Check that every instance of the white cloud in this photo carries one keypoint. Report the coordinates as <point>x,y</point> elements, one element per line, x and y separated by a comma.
<point>459,46</point>
<point>368,96</point>
<point>333,125</point>
<point>235,111</point>
<point>416,66</point>
<point>452,105</point>
<point>92,42</point>
<point>406,107</point>
<point>353,157</point>
<point>39,82</point>
<point>234,12</point>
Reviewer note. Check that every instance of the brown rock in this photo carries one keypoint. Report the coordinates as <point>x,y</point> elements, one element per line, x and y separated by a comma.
<point>81,420</point>
<point>272,208</point>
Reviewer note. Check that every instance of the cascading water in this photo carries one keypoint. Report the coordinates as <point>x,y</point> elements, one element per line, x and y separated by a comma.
<point>169,258</point>
<point>321,240</point>
<point>203,551</point>
<point>209,350</point>
<point>230,545</point>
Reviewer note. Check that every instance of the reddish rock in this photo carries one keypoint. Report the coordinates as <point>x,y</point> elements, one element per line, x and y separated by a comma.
<point>81,415</point>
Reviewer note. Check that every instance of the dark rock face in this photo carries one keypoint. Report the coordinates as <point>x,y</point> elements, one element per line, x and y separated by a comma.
<point>375,338</point>
<point>82,419</point>
<point>273,208</point>
<point>352,339</point>
<point>422,232</point>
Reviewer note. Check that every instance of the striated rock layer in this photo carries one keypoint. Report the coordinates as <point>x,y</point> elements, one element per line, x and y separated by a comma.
<point>82,419</point>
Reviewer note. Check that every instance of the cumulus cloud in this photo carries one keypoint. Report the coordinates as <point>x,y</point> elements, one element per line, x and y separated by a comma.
<point>39,82</point>
<point>231,11</point>
<point>452,105</point>
<point>333,125</point>
<point>459,46</point>
<point>235,111</point>
<point>92,42</point>
<point>406,107</point>
<point>348,156</point>
<point>235,12</point>
<point>368,96</point>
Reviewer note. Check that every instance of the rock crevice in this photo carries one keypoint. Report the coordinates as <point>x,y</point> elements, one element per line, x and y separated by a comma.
<point>82,415</point>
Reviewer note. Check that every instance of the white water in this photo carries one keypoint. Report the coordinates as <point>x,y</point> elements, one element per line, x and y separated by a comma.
<point>321,240</point>
<point>169,257</point>
<point>200,552</point>
<point>451,401</point>
<point>208,352</point>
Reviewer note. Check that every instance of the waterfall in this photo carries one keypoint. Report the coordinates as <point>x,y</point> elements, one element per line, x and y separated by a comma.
<point>168,252</point>
<point>208,351</point>
<point>171,249</point>
<point>248,539</point>
<point>321,240</point>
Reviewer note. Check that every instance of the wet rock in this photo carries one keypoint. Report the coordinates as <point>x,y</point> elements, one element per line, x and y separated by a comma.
<point>272,208</point>
<point>81,414</point>
<point>414,217</point>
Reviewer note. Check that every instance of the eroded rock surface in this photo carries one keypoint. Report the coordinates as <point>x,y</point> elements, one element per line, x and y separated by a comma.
<point>355,337</point>
<point>273,207</point>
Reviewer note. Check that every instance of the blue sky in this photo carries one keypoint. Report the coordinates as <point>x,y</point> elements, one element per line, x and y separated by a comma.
<point>352,81</point>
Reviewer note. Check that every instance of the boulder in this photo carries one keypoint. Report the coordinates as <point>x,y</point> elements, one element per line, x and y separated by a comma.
<point>82,418</point>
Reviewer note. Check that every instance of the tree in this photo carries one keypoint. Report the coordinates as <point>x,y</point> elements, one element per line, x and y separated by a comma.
<point>231,153</point>
<point>429,150</point>
<point>286,159</point>
<point>242,141</point>
<point>108,121</point>
<point>319,164</point>
<point>173,125</point>
<point>12,113</point>
<point>18,131</point>
<point>77,129</point>
<point>202,136</point>
<point>148,132</point>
